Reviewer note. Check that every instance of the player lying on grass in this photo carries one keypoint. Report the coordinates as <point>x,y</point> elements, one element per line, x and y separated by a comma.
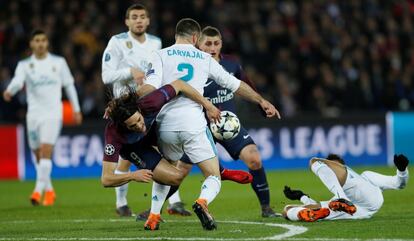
<point>356,196</point>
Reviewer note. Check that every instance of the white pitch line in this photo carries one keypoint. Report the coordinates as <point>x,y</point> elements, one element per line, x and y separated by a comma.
<point>292,230</point>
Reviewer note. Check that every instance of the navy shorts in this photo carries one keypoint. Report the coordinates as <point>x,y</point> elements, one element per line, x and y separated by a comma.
<point>236,145</point>
<point>142,155</point>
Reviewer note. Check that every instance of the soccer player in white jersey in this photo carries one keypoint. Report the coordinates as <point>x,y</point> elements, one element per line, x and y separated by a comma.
<point>44,74</point>
<point>356,196</point>
<point>124,64</point>
<point>181,123</point>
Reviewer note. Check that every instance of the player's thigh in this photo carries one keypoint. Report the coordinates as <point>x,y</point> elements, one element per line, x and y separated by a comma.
<point>236,145</point>
<point>170,145</point>
<point>168,174</point>
<point>210,167</point>
<point>50,131</point>
<point>199,146</point>
<point>33,134</point>
<point>339,169</point>
<point>251,157</point>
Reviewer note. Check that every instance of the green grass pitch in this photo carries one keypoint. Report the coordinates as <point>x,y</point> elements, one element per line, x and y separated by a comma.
<point>85,211</point>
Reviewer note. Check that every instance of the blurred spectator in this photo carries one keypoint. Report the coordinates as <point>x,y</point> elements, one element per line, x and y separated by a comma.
<point>324,57</point>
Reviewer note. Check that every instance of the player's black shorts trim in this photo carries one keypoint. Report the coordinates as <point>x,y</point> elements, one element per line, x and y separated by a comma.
<point>236,145</point>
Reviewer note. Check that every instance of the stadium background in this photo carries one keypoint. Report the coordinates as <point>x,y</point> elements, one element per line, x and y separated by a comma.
<point>333,68</point>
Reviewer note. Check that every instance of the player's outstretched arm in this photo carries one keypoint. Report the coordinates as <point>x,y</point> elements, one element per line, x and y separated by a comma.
<point>249,94</point>
<point>110,179</point>
<point>213,113</point>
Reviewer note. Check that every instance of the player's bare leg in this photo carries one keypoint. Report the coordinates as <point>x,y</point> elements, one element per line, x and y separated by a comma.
<point>251,157</point>
<point>122,208</point>
<point>44,182</point>
<point>36,195</point>
<point>176,206</point>
<point>209,190</point>
<point>167,178</point>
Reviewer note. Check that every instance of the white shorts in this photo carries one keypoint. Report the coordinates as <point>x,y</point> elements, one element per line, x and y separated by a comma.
<point>198,145</point>
<point>367,197</point>
<point>43,131</point>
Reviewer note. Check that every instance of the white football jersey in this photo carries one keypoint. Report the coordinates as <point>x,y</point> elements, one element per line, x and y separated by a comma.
<point>44,79</point>
<point>184,61</point>
<point>122,53</point>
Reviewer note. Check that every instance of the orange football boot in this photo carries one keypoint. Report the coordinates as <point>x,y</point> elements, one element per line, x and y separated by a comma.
<point>311,215</point>
<point>50,198</point>
<point>35,198</point>
<point>153,222</point>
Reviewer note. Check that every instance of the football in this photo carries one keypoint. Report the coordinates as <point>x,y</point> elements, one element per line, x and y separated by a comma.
<point>228,127</point>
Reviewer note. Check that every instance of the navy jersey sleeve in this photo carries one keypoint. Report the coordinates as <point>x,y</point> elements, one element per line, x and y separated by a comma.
<point>113,143</point>
<point>153,102</point>
<point>242,76</point>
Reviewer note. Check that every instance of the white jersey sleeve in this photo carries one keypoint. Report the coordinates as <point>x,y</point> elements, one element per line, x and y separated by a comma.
<point>154,75</point>
<point>110,64</point>
<point>17,82</point>
<point>68,83</point>
<point>67,77</point>
<point>222,77</point>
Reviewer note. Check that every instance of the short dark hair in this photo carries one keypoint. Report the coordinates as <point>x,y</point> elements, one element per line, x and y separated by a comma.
<point>120,109</point>
<point>187,26</point>
<point>36,32</point>
<point>136,6</point>
<point>335,157</point>
<point>210,32</point>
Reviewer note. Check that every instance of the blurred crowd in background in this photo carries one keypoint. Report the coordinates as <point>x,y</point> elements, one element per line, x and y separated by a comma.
<point>325,57</point>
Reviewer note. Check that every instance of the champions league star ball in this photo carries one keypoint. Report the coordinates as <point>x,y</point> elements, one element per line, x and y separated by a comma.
<point>228,127</point>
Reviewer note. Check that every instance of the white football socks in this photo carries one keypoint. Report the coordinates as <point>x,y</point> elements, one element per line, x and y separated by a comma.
<point>307,200</point>
<point>328,178</point>
<point>43,171</point>
<point>121,192</point>
<point>175,198</point>
<point>292,213</point>
<point>158,196</point>
<point>210,188</point>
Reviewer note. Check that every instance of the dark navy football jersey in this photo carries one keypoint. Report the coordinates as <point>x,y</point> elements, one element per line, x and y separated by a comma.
<point>117,138</point>
<point>221,97</point>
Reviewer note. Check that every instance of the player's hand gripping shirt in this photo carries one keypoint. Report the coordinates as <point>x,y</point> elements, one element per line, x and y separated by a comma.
<point>122,53</point>
<point>184,61</point>
<point>44,79</point>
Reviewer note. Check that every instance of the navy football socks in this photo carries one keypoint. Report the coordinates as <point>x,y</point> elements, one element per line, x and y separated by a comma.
<point>260,186</point>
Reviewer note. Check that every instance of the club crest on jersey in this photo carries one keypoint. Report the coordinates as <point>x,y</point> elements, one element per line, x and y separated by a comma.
<point>53,69</point>
<point>128,44</point>
<point>31,65</point>
<point>109,149</point>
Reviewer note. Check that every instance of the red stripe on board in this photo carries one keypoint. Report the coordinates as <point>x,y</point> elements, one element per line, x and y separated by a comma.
<point>8,152</point>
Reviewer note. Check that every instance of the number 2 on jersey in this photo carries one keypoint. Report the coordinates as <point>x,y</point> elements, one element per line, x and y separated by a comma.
<point>190,71</point>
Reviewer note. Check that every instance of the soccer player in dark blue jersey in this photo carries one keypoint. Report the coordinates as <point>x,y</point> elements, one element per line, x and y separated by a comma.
<point>242,147</point>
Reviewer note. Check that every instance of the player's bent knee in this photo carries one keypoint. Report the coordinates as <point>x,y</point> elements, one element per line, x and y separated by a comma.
<point>254,164</point>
